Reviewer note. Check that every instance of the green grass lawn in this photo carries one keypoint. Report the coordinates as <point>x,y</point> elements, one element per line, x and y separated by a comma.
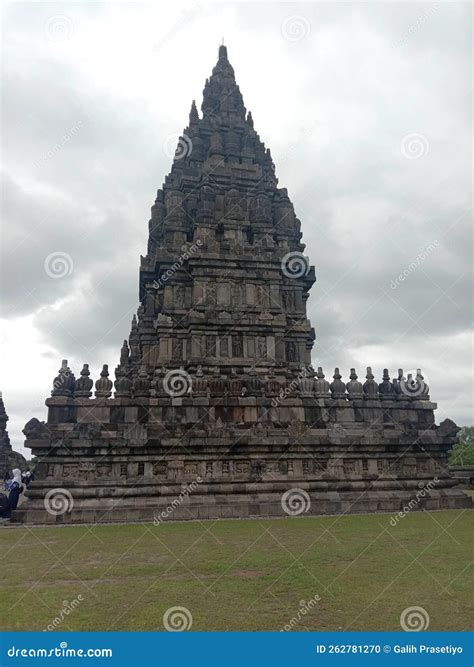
<point>241,575</point>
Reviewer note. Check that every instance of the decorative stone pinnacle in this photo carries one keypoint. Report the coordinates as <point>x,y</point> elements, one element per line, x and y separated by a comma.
<point>338,388</point>
<point>223,51</point>
<point>371,389</point>
<point>124,353</point>
<point>354,387</point>
<point>3,413</point>
<point>103,385</point>
<point>386,388</point>
<point>64,382</point>
<point>193,114</point>
<point>84,384</point>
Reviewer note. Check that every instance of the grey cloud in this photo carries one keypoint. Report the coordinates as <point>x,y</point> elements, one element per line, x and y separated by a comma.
<point>83,160</point>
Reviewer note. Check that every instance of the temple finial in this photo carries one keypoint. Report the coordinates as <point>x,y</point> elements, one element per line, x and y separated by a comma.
<point>222,51</point>
<point>193,114</point>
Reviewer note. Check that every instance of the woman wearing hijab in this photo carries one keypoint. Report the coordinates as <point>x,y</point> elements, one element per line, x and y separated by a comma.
<point>15,490</point>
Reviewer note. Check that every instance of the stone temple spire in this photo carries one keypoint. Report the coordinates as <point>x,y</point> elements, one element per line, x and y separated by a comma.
<point>220,199</point>
<point>221,94</point>
<point>193,114</point>
<point>5,446</point>
<point>4,439</point>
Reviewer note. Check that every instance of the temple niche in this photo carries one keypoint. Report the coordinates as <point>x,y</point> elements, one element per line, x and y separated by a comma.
<point>214,383</point>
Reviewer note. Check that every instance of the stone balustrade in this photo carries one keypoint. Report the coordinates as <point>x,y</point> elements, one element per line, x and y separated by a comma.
<point>306,384</point>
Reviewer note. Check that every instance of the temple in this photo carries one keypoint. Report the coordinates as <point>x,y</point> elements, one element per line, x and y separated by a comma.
<point>9,459</point>
<point>5,446</point>
<point>215,401</point>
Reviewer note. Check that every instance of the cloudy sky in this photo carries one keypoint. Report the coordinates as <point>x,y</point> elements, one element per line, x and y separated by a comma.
<point>367,110</point>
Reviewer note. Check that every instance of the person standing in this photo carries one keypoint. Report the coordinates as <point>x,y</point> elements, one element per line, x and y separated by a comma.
<point>15,490</point>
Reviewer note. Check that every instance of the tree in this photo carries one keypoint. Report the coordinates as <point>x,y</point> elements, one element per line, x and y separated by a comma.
<point>462,454</point>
